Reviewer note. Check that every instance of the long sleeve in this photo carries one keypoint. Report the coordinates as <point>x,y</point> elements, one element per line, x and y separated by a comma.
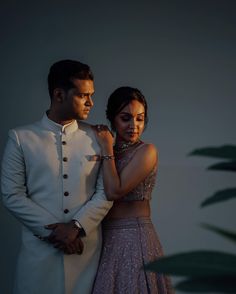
<point>92,213</point>
<point>14,190</point>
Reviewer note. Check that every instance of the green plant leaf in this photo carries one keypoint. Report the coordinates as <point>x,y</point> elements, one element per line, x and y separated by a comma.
<point>225,151</point>
<point>224,233</point>
<point>196,263</point>
<point>206,285</point>
<point>225,166</point>
<point>220,196</point>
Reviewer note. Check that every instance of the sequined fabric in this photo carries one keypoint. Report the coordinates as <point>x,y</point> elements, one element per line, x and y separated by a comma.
<point>144,189</point>
<point>129,244</point>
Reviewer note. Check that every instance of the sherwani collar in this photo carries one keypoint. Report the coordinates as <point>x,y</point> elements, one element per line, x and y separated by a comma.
<point>57,128</point>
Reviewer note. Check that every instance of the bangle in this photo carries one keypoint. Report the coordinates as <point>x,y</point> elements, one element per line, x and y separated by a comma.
<point>107,157</point>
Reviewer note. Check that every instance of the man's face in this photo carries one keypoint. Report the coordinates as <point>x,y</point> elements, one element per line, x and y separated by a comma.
<point>78,101</point>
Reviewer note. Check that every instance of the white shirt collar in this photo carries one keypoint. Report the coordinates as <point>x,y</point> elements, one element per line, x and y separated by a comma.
<point>58,128</point>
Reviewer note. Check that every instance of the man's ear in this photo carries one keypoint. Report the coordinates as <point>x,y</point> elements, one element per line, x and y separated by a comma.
<point>59,95</point>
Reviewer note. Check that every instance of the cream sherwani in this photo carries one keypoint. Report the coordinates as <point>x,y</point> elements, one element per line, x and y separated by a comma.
<point>50,174</point>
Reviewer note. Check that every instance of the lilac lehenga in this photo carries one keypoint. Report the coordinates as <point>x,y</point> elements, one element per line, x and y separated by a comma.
<point>129,244</point>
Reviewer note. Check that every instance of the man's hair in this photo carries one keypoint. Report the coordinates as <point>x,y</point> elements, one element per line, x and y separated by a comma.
<point>62,73</point>
<point>120,98</point>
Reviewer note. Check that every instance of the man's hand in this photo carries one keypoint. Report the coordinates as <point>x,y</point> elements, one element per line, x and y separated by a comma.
<point>75,247</point>
<point>65,237</point>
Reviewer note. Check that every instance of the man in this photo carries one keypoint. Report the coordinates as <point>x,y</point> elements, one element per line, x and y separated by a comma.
<point>50,184</point>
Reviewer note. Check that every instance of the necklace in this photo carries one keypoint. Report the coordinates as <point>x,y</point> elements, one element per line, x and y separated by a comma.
<point>122,146</point>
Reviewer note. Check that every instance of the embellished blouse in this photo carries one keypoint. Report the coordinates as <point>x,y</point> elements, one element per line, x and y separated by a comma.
<point>144,189</point>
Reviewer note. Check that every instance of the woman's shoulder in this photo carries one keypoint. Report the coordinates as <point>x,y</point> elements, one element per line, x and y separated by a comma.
<point>145,147</point>
<point>146,150</point>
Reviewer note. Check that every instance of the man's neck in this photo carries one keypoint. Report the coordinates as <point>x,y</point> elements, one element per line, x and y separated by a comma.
<point>58,119</point>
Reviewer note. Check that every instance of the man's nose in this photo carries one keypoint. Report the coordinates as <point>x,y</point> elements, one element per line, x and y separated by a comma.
<point>89,101</point>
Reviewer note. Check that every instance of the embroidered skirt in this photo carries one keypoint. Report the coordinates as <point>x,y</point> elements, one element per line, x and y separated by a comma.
<point>129,244</point>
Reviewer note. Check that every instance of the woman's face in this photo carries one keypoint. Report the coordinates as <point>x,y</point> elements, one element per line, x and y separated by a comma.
<point>130,121</point>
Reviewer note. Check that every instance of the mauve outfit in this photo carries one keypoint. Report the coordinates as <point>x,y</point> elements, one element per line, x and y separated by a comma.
<point>129,244</point>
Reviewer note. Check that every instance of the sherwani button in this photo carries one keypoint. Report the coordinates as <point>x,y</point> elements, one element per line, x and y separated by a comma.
<point>65,176</point>
<point>63,142</point>
<point>65,159</point>
<point>66,210</point>
<point>66,193</point>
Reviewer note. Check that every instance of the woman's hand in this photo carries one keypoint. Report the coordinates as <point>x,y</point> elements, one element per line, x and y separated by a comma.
<point>104,137</point>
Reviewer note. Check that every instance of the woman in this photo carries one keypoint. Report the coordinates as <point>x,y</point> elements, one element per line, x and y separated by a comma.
<point>129,171</point>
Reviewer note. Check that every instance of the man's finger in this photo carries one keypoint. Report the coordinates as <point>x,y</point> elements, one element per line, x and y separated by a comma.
<point>69,249</point>
<point>51,226</point>
<point>79,246</point>
<point>52,238</point>
<point>59,245</point>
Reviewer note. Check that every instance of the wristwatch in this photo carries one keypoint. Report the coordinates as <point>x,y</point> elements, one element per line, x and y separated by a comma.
<point>78,227</point>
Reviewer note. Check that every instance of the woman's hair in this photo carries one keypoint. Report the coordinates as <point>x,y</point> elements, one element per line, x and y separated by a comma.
<point>120,98</point>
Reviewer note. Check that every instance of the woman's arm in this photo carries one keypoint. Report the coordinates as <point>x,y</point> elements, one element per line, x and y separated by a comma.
<point>144,160</point>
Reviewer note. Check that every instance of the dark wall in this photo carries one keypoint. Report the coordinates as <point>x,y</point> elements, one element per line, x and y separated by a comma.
<point>180,53</point>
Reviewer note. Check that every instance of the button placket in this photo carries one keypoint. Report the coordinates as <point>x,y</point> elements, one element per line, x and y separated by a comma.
<point>65,175</point>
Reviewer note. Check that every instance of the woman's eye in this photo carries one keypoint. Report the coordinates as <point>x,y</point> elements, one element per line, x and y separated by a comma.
<point>125,119</point>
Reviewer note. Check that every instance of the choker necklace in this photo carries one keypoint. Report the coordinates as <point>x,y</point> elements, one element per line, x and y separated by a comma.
<point>123,146</point>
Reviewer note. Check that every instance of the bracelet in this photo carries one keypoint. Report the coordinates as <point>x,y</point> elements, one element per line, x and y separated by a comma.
<point>107,157</point>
